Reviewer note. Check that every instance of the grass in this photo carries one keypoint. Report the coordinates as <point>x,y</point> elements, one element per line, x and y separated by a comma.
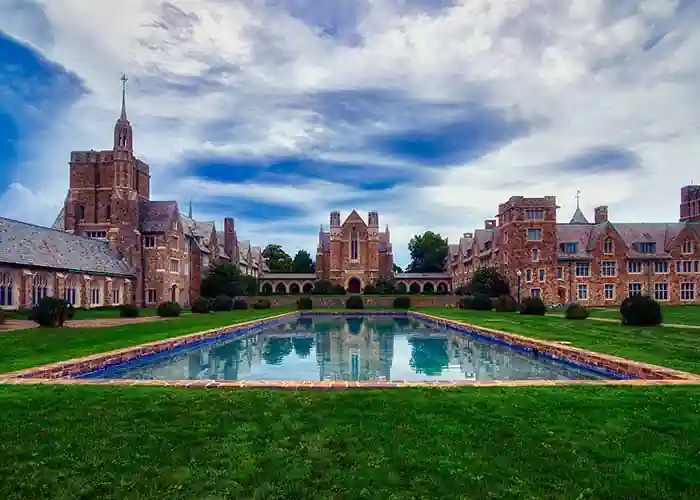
<point>681,315</point>
<point>98,313</point>
<point>26,348</point>
<point>672,347</point>
<point>535,443</point>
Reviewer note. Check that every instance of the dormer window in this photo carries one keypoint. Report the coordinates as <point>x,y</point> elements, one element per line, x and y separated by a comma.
<point>687,247</point>
<point>567,247</point>
<point>646,247</point>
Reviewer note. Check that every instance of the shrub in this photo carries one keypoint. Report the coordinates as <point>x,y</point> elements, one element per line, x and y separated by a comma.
<point>370,290</point>
<point>354,302</point>
<point>200,305</point>
<point>305,303</point>
<point>51,312</point>
<point>222,303</point>
<point>576,311</point>
<point>169,309</point>
<point>506,303</point>
<point>240,305</point>
<point>338,290</point>
<point>322,287</point>
<point>477,302</point>
<point>533,306</point>
<point>129,311</point>
<point>403,302</point>
<point>262,304</point>
<point>640,310</point>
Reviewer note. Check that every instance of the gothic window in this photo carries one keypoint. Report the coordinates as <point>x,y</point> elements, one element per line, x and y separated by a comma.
<point>81,211</point>
<point>40,288</point>
<point>5,289</point>
<point>354,245</point>
<point>70,291</point>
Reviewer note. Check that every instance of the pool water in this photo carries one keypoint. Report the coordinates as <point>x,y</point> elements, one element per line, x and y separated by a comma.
<point>349,348</point>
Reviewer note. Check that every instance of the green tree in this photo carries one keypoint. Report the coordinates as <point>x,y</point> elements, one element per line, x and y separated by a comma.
<point>397,269</point>
<point>302,262</point>
<point>488,281</point>
<point>428,253</point>
<point>277,260</point>
<point>224,279</point>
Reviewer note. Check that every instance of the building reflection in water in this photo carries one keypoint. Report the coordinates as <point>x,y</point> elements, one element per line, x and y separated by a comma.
<point>355,348</point>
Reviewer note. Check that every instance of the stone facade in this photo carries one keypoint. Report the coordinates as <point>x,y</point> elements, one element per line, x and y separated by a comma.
<point>596,263</point>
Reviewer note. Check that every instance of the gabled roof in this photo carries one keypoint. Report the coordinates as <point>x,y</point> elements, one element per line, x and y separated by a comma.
<point>29,245</point>
<point>156,216</point>
<point>200,229</point>
<point>354,217</point>
<point>578,217</point>
<point>574,233</point>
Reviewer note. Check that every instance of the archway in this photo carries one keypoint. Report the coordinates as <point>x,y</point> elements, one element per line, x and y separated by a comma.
<point>294,289</point>
<point>281,288</point>
<point>173,293</point>
<point>414,288</point>
<point>401,287</point>
<point>428,288</point>
<point>308,287</point>
<point>267,289</point>
<point>354,285</point>
<point>442,287</point>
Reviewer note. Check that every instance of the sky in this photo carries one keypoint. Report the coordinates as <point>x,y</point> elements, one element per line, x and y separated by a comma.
<point>431,112</point>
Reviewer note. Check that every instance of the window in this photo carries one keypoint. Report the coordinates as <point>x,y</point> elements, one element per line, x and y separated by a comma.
<point>116,296</point>
<point>96,235</point>
<point>541,275</point>
<point>560,273</point>
<point>534,234</point>
<point>535,292</point>
<point>687,291</point>
<point>582,291</point>
<point>174,266</point>
<point>608,268</point>
<point>660,266</point>
<point>40,288</point>
<point>534,214</point>
<point>81,212</point>
<point>608,246</point>
<point>634,289</point>
<point>151,296</point>
<point>634,266</point>
<point>95,295</point>
<point>205,260</point>
<point>70,291</point>
<point>108,210</point>
<point>174,225</point>
<point>687,247</point>
<point>609,291</point>
<point>661,291</point>
<point>149,241</point>
<point>354,245</point>
<point>528,274</point>
<point>186,268</point>
<point>582,269</point>
<point>6,289</point>
<point>687,266</point>
<point>567,247</point>
<point>646,247</point>
<point>535,255</point>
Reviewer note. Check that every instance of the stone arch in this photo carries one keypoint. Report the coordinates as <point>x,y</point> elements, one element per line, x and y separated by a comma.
<point>294,288</point>
<point>442,287</point>
<point>401,287</point>
<point>266,289</point>
<point>414,288</point>
<point>174,295</point>
<point>8,297</point>
<point>41,286</point>
<point>354,285</point>
<point>428,287</point>
<point>308,287</point>
<point>281,288</point>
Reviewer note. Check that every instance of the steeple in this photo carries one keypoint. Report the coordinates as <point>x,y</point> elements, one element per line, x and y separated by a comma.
<point>123,135</point>
<point>189,213</point>
<point>124,79</point>
<point>578,217</point>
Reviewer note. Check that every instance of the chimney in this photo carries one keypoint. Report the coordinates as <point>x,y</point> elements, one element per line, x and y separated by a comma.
<point>489,223</point>
<point>601,214</point>
<point>230,240</point>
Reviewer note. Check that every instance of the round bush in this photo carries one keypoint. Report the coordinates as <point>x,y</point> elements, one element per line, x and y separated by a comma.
<point>533,306</point>
<point>354,302</point>
<point>370,290</point>
<point>169,309</point>
<point>506,303</point>
<point>576,311</point>
<point>476,302</point>
<point>200,305</point>
<point>51,312</point>
<point>240,305</point>
<point>640,310</point>
<point>262,304</point>
<point>402,302</point>
<point>222,303</point>
<point>305,303</point>
<point>129,311</point>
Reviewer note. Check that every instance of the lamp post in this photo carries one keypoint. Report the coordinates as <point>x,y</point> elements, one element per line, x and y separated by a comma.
<point>519,274</point>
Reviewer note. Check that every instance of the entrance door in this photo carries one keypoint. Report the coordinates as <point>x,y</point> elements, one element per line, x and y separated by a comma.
<point>354,285</point>
<point>173,293</point>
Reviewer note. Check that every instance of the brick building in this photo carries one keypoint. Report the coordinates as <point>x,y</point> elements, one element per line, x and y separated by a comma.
<point>111,244</point>
<point>596,263</point>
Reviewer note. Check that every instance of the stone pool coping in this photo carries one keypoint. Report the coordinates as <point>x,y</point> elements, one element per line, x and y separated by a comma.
<point>632,372</point>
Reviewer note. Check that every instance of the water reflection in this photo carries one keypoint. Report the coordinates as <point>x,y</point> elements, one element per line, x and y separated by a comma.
<point>355,348</point>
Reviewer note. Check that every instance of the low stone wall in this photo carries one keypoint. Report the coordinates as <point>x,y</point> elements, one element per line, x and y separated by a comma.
<point>387,301</point>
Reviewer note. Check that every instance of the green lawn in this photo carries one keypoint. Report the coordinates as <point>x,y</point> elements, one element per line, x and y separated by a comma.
<point>498,443</point>
<point>26,348</point>
<point>672,347</point>
<point>683,315</point>
<point>107,312</point>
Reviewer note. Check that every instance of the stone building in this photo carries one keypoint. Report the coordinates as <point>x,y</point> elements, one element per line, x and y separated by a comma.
<point>596,263</point>
<point>111,244</point>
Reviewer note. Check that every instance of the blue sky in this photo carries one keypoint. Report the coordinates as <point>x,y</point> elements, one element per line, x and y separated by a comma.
<point>431,112</point>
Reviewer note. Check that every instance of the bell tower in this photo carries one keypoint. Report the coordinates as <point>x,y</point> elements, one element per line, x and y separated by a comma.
<point>123,135</point>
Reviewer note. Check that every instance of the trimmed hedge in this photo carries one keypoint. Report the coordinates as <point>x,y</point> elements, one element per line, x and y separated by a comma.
<point>169,309</point>
<point>222,303</point>
<point>476,302</point>
<point>640,310</point>
<point>402,302</point>
<point>240,305</point>
<point>200,305</point>
<point>533,306</point>
<point>129,311</point>
<point>354,302</point>
<point>505,303</point>
<point>262,304</point>
<point>576,311</point>
<point>305,303</point>
<point>51,312</point>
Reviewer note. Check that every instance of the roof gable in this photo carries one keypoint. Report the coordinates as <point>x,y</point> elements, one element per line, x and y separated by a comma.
<point>157,216</point>
<point>354,218</point>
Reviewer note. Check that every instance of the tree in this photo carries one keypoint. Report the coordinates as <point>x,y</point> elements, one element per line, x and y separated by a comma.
<point>277,260</point>
<point>488,281</point>
<point>397,269</point>
<point>302,262</point>
<point>428,253</point>
<point>224,279</point>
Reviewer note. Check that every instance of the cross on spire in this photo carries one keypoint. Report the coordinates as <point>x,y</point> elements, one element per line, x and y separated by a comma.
<point>123,79</point>
<point>578,198</point>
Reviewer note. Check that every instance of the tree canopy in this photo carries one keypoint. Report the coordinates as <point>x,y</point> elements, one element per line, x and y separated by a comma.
<point>428,253</point>
<point>488,281</point>
<point>302,262</point>
<point>226,279</point>
<point>397,269</point>
<point>277,260</point>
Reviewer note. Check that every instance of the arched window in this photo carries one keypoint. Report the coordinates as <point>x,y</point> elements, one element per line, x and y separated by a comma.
<point>70,290</point>
<point>40,288</point>
<point>354,245</point>
<point>81,211</point>
<point>6,298</point>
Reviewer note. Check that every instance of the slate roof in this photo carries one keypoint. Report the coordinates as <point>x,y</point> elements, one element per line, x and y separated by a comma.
<point>199,229</point>
<point>37,246</point>
<point>156,215</point>
<point>578,217</point>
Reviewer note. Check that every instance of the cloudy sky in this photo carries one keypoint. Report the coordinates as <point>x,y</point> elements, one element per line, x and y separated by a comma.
<point>428,111</point>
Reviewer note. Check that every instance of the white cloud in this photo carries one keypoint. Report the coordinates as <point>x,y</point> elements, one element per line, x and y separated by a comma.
<point>579,71</point>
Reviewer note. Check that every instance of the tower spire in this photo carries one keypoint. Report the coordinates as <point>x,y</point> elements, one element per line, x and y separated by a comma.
<point>123,79</point>
<point>189,214</point>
